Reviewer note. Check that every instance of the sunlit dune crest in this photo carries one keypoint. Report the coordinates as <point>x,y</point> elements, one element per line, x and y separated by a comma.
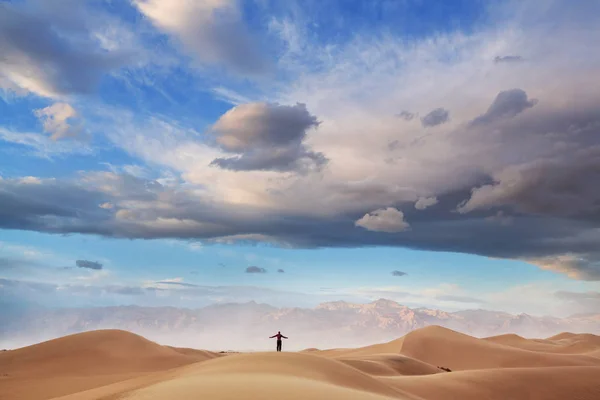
<point>429,363</point>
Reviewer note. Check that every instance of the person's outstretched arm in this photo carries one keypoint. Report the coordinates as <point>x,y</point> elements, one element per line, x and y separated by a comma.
<point>285,337</point>
<point>271,337</point>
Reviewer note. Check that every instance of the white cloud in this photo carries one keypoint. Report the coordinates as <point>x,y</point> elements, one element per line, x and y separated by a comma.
<point>30,180</point>
<point>231,96</point>
<point>424,202</point>
<point>59,120</point>
<point>212,30</point>
<point>388,220</point>
<point>43,146</point>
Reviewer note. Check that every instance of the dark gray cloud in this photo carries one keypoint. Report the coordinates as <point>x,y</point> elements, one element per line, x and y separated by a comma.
<point>459,299</point>
<point>557,186</point>
<point>507,104</point>
<point>88,264</point>
<point>281,271</point>
<point>295,158</point>
<point>267,137</point>
<point>398,273</point>
<point>406,115</point>
<point>255,270</point>
<point>508,59</point>
<point>435,228</point>
<point>435,117</point>
<point>38,56</point>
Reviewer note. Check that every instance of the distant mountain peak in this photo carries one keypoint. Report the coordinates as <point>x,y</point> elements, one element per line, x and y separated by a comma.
<point>386,303</point>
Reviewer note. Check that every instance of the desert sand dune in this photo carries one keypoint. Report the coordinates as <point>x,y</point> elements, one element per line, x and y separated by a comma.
<point>443,347</point>
<point>594,354</point>
<point>552,383</point>
<point>563,335</point>
<point>389,365</point>
<point>86,360</point>
<point>257,376</point>
<point>564,343</point>
<point>117,365</point>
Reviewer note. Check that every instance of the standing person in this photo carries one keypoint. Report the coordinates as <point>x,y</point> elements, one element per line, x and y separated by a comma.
<point>278,336</point>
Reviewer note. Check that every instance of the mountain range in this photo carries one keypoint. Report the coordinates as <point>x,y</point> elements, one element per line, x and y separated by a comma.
<point>247,326</point>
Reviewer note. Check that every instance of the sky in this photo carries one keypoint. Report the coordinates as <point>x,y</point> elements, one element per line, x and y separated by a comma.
<point>442,154</point>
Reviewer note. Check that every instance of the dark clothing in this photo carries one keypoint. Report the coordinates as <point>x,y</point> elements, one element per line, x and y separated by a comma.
<point>278,335</point>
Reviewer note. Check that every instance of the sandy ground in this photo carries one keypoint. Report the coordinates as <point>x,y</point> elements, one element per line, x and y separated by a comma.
<point>118,365</point>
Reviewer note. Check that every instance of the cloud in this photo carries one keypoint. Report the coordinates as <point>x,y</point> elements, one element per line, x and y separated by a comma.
<point>281,271</point>
<point>398,273</point>
<point>557,186</point>
<point>268,137</point>
<point>406,115</point>
<point>508,59</point>
<point>507,104</point>
<point>424,202</point>
<point>583,302</point>
<point>565,295</point>
<point>174,283</point>
<point>500,218</point>
<point>537,169</point>
<point>88,264</point>
<point>435,117</point>
<point>576,266</point>
<point>388,220</point>
<point>38,55</point>
<point>43,146</point>
<point>58,121</point>
<point>212,31</point>
<point>255,270</point>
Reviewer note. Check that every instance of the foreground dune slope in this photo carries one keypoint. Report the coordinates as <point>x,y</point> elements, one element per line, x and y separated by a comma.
<point>86,360</point>
<point>256,376</point>
<point>296,376</point>
<point>389,365</point>
<point>551,383</point>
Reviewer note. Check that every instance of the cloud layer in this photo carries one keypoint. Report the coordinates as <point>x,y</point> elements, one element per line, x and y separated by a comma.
<point>503,163</point>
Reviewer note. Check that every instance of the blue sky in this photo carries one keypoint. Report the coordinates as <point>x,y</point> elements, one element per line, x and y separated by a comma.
<point>151,151</point>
